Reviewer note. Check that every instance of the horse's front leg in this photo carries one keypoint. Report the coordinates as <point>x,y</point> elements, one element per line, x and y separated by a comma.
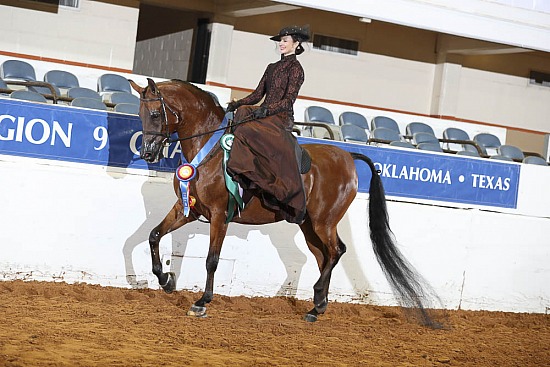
<point>218,229</point>
<point>173,220</point>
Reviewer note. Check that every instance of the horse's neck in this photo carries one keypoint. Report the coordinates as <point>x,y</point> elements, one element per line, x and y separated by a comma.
<point>191,139</point>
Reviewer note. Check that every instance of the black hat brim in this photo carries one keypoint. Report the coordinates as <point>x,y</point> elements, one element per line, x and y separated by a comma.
<point>300,33</point>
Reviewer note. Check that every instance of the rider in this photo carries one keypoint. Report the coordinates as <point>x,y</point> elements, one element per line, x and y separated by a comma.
<point>263,155</point>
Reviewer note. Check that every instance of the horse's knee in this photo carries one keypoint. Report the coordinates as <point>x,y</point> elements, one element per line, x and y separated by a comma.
<point>341,248</point>
<point>154,236</point>
<point>212,263</point>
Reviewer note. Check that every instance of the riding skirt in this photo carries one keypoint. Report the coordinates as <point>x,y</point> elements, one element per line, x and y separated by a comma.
<point>263,159</point>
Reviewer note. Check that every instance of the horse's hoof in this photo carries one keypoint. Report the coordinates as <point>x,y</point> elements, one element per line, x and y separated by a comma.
<point>310,317</point>
<point>197,311</point>
<point>170,284</point>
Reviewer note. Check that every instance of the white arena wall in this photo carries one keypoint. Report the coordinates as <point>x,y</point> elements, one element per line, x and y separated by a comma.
<point>76,222</point>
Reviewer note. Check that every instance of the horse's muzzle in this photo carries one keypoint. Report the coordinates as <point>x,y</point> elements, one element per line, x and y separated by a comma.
<point>151,153</point>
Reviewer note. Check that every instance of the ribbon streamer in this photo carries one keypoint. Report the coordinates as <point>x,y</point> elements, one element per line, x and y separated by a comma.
<point>235,198</point>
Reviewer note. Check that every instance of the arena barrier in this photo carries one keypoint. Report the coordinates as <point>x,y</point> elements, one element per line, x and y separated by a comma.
<point>78,205</point>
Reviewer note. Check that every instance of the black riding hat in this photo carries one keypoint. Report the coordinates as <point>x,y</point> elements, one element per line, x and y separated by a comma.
<point>302,33</point>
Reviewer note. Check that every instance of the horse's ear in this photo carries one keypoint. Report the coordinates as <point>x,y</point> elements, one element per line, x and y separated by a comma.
<point>136,87</point>
<point>152,86</point>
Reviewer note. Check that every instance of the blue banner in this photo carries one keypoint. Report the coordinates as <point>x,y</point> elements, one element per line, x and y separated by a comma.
<point>76,135</point>
<point>426,175</point>
<point>111,139</point>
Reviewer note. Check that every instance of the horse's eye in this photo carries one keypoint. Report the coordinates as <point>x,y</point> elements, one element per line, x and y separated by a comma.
<point>155,114</point>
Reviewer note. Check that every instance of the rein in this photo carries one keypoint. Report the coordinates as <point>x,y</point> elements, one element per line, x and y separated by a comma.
<point>248,118</point>
<point>166,134</point>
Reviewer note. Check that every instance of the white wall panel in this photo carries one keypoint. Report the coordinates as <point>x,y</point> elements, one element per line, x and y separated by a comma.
<point>500,22</point>
<point>83,223</point>
<point>98,33</point>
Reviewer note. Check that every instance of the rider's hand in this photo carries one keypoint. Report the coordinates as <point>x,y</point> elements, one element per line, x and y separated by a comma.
<point>232,106</point>
<point>260,112</point>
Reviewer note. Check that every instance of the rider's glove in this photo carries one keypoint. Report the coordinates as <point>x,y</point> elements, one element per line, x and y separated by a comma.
<point>232,106</point>
<point>260,112</point>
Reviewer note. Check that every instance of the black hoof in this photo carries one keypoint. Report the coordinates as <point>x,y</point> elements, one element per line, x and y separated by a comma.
<point>197,311</point>
<point>310,317</point>
<point>170,284</point>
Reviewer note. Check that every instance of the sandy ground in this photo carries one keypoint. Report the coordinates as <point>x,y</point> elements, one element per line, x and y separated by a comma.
<point>57,324</point>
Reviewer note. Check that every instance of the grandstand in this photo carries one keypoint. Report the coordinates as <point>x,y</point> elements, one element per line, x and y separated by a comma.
<point>430,72</point>
<point>401,86</point>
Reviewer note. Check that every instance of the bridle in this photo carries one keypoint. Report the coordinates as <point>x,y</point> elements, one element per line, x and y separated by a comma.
<point>165,132</point>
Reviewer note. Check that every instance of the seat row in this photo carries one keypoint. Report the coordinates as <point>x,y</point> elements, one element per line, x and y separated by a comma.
<point>354,127</point>
<point>18,80</point>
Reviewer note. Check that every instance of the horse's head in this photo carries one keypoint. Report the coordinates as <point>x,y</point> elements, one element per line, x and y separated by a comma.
<point>157,118</point>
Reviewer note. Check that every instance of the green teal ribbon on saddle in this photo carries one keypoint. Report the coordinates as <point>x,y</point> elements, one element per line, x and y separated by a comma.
<point>187,171</point>
<point>235,198</point>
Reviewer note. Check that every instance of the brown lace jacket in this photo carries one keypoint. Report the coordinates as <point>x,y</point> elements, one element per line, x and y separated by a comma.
<point>280,84</point>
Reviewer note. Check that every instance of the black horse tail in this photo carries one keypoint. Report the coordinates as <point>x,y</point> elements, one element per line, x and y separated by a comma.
<point>408,286</point>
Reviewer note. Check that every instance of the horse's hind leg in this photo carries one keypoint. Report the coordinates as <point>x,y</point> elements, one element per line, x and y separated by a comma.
<point>327,247</point>
<point>173,220</point>
<point>218,229</point>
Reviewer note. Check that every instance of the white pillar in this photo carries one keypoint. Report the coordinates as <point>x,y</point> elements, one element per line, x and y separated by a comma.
<point>446,85</point>
<point>220,50</point>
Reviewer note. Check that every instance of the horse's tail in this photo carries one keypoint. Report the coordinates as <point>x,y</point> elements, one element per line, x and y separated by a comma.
<point>408,286</point>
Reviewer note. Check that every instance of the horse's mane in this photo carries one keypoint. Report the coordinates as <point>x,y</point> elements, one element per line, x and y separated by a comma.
<point>200,90</point>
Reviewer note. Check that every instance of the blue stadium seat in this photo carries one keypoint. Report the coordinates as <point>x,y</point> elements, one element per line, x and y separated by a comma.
<point>453,133</point>
<point>512,152</point>
<point>354,118</point>
<point>319,114</point>
<point>113,83</point>
<point>499,157</point>
<point>124,97</point>
<point>418,127</point>
<point>386,122</point>
<point>28,95</point>
<point>384,135</point>
<point>487,141</point>
<point>61,79</point>
<point>354,133</point>
<point>17,70</point>
<point>130,108</point>
<point>422,137</point>
<point>402,144</point>
<point>533,159</point>
<point>91,103</point>
<point>77,92</point>
<point>433,147</point>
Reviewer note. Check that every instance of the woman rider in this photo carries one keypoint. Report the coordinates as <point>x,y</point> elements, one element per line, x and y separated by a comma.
<point>263,154</point>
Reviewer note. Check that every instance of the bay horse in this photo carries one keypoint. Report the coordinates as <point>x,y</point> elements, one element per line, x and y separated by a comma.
<point>331,185</point>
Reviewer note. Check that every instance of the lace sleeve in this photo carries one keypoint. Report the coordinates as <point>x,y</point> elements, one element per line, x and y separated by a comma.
<point>295,81</point>
<point>257,95</point>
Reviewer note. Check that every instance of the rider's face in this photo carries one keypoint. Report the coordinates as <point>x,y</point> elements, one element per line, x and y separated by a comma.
<point>287,45</point>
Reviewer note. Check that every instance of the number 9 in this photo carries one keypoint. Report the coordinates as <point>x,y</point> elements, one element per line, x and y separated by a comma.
<point>100,135</point>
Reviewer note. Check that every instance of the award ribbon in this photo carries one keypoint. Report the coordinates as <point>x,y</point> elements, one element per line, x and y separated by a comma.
<point>187,171</point>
